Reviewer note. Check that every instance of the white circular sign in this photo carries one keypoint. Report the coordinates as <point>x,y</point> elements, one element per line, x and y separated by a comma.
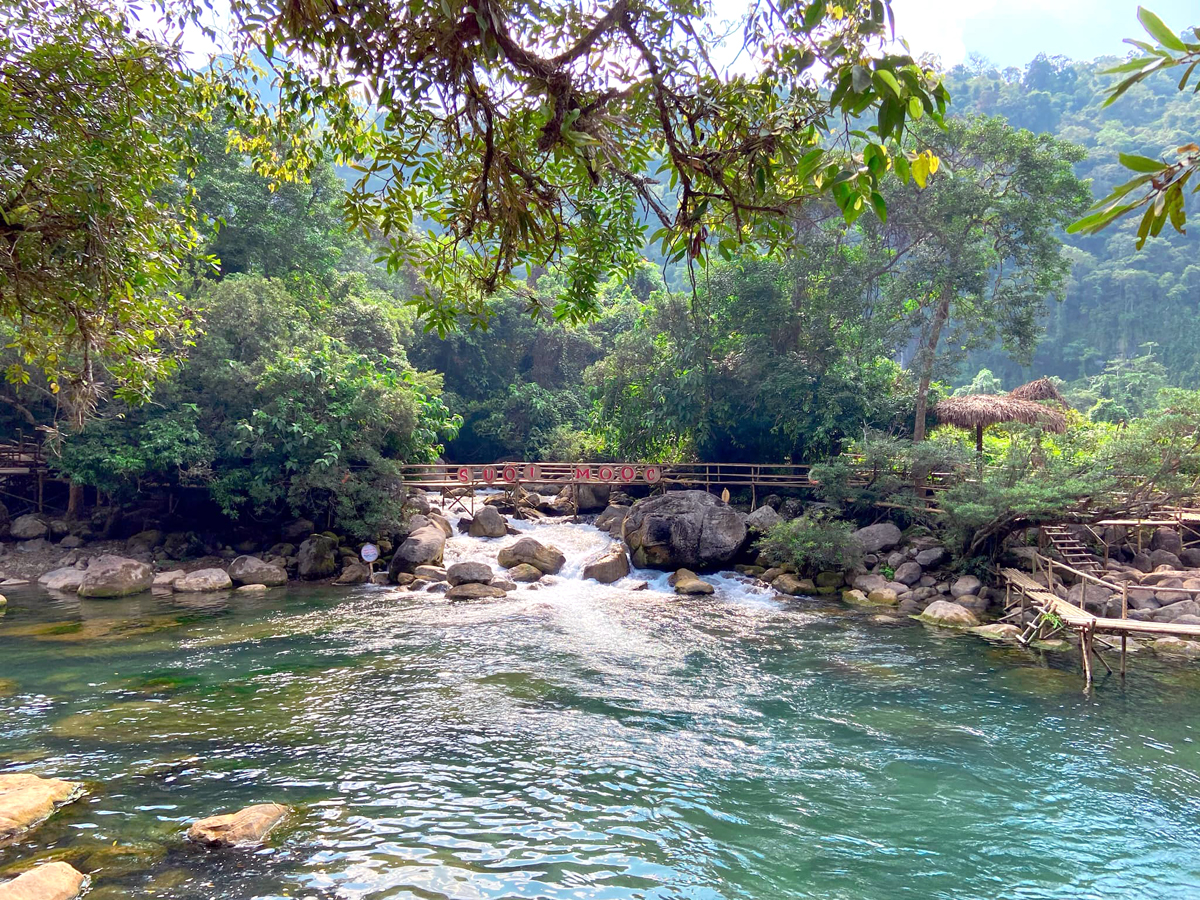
<point>370,552</point>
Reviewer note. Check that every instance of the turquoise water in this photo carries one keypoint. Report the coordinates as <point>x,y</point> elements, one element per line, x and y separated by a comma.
<point>588,742</point>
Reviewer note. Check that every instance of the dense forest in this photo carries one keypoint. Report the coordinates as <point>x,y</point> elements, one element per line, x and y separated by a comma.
<point>319,339</point>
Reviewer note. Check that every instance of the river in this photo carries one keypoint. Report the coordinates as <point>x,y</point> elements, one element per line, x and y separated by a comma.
<point>583,741</point>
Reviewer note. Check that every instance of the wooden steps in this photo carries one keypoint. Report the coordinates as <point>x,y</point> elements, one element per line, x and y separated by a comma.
<point>1073,552</point>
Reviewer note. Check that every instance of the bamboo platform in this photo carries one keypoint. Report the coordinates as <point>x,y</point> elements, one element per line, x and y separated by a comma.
<point>1059,614</point>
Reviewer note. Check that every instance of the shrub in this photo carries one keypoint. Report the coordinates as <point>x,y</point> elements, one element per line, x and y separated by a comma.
<point>812,543</point>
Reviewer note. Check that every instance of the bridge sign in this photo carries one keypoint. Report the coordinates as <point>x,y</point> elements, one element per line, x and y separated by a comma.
<point>370,553</point>
<point>560,473</point>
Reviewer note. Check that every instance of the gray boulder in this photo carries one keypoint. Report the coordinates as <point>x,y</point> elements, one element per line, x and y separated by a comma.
<point>934,556</point>
<point>203,581</point>
<point>488,523</point>
<point>424,546</point>
<point>1091,597</point>
<point>317,557</point>
<point>684,529</point>
<point>948,615</point>
<point>65,579</point>
<point>470,573</point>
<point>1190,557</point>
<point>1141,562</point>
<point>612,566</point>
<point>612,519</point>
<point>1166,538</point>
<point>1165,558</point>
<point>1175,610</point>
<point>252,570</point>
<point>115,576</point>
<point>964,585</point>
<point>876,538</point>
<point>591,497</point>
<point>763,519</point>
<point>28,527</point>
<point>908,573</point>
<point>355,573</point>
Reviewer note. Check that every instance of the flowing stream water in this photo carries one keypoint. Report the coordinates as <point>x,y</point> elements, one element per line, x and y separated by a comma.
<point>586,741</point>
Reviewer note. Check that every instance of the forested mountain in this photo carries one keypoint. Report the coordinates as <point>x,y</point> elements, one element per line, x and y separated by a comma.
<point>1117,298</point>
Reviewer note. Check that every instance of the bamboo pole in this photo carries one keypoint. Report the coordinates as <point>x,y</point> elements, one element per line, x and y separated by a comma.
<point>1124,615</point>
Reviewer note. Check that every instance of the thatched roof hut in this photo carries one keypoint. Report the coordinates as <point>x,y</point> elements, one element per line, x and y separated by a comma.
<point>978,411</point>
<point>1041,389</point>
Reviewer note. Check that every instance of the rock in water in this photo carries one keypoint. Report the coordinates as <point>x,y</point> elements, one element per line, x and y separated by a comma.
<point>612,519</point>
<point>26,799</point>
<point>475,591</point>
<point>488,523</point>
<point>875,538</point>
<point>684,529</point>
<point>685,581</point>
<point>50,881</point>
<point>317,557</point>
<point>115,576</point>
<point>469,573</point>
<point>424,546</point>
<point>998,631</point>
<point>612,566</point>
<point>168,579</point>
<point>949,615</point>
<point>793,585</point>
<point>252,570</point>
<point>203,581</point>
<point>244,827</point>
<point>66,579</point>
<point>355,573</point>
<point>524,573</point>
<point>547,560</point>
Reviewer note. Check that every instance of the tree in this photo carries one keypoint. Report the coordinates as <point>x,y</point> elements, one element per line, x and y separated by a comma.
<point>976,250</point>
<point>93,229</point>
<point>1159,185</point>
<point>521,133</point>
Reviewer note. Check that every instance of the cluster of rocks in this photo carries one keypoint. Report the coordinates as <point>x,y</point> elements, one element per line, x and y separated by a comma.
<point>110,576</point>
<point>28,800</point>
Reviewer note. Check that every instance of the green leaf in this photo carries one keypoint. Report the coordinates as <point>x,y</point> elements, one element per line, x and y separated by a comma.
<point>1141,163</point>
<point>890,80</point>
<point>1158,30</point>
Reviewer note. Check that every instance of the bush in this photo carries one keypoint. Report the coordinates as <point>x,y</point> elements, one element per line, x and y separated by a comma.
<point>811,544</point>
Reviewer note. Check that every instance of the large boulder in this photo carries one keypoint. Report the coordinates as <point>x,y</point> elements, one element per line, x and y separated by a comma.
<point>948,615</point>
<point>875,538</point>
<point>612,566</point>
<point>547,560</point>
<point>424,546</point>
<point>245,827</point>
<point>908,573</point>
<point>965,585</point>
<point>1165,558</point>
<point>28,527</point>
<point>684,529</point>
<point>591,497</point>
<point>1092,597</point>
<point>252,570</point>
<point>297,530</point>
<point>355,573</point>
<point>26,799</point>
<point>65,579</point>
<point>115,576</point>
<point>317,557</point>
<point>470,572</point>
<point>203,581</point>
<point>523,572</point>
<point>49,881</point>
<point>934,556</point>
<point>1166,538</point>
<point>793,585</point>
<point>488,523</point>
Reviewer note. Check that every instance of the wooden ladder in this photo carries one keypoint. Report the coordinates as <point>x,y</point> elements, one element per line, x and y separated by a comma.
<point>1072,551</point>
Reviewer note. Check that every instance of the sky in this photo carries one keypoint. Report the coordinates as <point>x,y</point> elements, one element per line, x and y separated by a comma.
<point>1012,32</point>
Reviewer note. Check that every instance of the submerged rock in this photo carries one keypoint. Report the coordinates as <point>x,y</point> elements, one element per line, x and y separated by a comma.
<point>203,581</point>
<point>475,591</point>
<point>548,560</point>
<point>27,799</point>
<point>115,576</point>
<point>252,570</point>
<point>685,581</point>
<point>49,881</point>
<point>998,631</point>
<point>244,827</point>
<point>612,566</point>
<point>684,529</point>
<point>523,572</point>
<point>948,615</point>
<point>1174,646</point>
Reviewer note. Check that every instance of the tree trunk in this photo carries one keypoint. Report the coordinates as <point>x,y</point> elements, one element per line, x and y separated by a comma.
<point>74,500</point>
<point>926,357</point>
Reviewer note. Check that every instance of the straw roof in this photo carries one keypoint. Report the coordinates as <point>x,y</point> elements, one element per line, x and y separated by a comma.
<point>1041,389</point>
<point>976,410</point>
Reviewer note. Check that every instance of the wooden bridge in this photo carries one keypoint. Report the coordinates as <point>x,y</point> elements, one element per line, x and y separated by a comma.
<point>1055,614</point>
